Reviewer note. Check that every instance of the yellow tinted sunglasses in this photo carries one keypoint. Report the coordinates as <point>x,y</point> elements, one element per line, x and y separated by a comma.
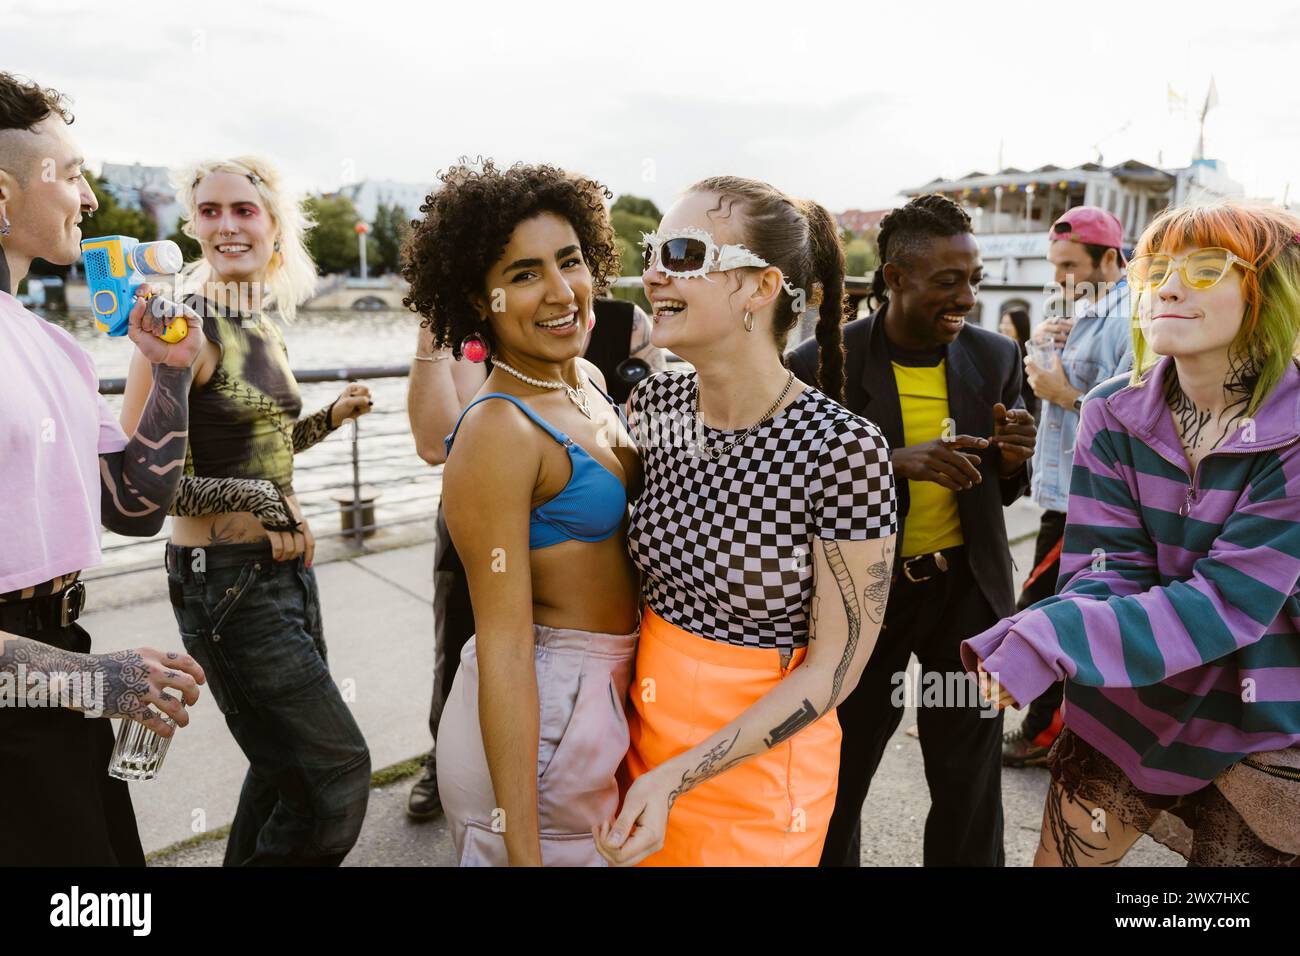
<point>1202,269</point>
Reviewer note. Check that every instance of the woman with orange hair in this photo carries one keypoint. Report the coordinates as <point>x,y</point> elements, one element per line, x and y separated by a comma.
<point>1176,624</point>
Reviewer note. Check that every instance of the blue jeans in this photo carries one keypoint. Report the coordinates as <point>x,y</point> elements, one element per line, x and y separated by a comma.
<point>254,625</point>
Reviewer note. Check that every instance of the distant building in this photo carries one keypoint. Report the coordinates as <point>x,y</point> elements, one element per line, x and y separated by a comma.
<point>368,194</point>
<point>858,221</point>
<point>1013,210</point>
<point>146,188</point>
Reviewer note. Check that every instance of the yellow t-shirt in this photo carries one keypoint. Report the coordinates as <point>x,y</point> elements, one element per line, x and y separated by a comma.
<point>932,520</point>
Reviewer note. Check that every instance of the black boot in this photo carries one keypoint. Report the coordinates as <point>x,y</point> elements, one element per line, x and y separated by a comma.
<point>424,802</point>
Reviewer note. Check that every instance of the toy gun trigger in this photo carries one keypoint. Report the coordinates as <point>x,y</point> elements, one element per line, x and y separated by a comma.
<point>177,327</point>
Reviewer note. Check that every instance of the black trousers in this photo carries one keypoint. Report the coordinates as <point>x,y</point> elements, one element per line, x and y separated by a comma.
<point>961,745</point>
<point>1051,529</point>
<point>58,805</point>
<point>453,620</point>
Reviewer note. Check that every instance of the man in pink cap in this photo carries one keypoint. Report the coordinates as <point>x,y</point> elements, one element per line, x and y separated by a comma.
<point>1086,249</point>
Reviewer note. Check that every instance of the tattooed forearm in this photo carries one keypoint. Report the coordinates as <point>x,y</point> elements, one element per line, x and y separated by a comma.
<point>714,762</point>
<point>214,496</point>
<point>875,596</point>
<point>796,722</point>
<point>120,679</point>
<point>1072,849</point>
<point>852,611</point>
<point>139,482</point>
<point>310,430</point>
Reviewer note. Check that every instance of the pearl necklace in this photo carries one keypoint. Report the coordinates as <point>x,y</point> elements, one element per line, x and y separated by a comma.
<point>714,452</point>
<point>576,395</point>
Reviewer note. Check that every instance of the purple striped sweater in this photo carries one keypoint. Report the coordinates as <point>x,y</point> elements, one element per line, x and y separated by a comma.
<point>1176,622</point>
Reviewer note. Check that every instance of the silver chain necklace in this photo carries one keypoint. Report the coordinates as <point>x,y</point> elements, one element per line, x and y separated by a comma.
<point>576,395</point>
<point>714,452</point>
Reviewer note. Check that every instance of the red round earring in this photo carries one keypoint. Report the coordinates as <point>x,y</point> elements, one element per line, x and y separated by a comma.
<point>473,348</point>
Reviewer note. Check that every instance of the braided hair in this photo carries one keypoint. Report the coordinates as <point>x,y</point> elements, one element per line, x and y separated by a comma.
<point>799,237</point>
<point>906,229</point>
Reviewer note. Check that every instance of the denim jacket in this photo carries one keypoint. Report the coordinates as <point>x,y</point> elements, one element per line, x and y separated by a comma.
<point>1099,347</point>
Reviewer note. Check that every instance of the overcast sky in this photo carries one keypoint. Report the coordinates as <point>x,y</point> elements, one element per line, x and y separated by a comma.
<point>846,103</point>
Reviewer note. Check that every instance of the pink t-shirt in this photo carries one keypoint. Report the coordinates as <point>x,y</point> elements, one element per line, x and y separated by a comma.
<point>54,425</point>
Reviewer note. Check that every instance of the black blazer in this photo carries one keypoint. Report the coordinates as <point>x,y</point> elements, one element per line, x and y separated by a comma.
<point>983,368</point>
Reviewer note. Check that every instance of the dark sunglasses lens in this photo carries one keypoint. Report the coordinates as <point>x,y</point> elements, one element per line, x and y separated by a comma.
<point>647,256</point>
<point>683,255</point>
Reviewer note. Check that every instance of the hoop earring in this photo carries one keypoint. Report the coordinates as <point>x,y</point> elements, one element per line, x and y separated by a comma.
<point>474,348</point>
<point>749,322</point>
<point>591,320</point>
<point>4,224</point>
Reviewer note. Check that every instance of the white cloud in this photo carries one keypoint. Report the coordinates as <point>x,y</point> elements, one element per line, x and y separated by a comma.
<point>846,104</point>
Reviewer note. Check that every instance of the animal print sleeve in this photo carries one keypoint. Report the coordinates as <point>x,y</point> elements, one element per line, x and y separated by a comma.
<point>213,496</point>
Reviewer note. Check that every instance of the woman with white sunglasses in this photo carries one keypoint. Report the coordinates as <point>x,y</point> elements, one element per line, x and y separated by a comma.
<point>1175,623</point>
<point>767,520</point>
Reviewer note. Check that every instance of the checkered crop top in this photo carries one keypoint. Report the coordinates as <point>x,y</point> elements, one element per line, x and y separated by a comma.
<point>725,547</point>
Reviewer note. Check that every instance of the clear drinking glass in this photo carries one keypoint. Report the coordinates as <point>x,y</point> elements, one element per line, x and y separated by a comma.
<point>139,752</point>
<point>1042,352</point>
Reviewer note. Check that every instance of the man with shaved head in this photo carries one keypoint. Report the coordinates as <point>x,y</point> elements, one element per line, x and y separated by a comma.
<point>65,466</point>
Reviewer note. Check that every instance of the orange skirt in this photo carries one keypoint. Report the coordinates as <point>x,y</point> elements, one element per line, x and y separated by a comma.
<point>771,810</point>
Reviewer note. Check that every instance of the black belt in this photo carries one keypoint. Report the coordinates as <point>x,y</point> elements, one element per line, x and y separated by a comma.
<point>50,612</point>
<point>922,567</point>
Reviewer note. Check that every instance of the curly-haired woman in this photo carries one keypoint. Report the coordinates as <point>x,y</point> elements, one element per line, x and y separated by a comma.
<point>239,561</point>
<point>1176,624</point>
<point>536,481</point>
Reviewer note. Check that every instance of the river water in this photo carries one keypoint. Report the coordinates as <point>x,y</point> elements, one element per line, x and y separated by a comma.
<point>407,486</point>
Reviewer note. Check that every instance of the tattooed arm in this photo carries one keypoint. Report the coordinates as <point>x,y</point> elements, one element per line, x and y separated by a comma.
<point>139,482</point>
<point>850,587</point>
<point>121,684</point>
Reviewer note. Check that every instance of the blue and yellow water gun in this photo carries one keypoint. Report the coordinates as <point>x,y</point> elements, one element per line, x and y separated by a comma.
<point>118,265</point>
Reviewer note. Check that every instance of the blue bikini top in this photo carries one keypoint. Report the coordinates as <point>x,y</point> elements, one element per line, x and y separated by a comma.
<point>591,507</point>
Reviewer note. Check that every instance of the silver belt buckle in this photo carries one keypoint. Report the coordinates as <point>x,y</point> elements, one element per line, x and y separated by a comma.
<point>940,562</point>
<point>74,599</point>
<point>907,569</point>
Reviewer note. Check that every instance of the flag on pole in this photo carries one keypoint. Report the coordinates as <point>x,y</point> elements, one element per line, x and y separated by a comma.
<point>1211,98</point>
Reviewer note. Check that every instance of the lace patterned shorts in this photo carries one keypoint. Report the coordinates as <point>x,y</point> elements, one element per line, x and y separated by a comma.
<point>1202,826</point>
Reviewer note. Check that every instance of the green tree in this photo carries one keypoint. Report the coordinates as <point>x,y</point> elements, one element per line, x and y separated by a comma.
<point>637,207</point>
<point>113,219</point>
<point>385,246</point>
<point>628,227</point>
<point>333,242</point>
<point>859,257</point>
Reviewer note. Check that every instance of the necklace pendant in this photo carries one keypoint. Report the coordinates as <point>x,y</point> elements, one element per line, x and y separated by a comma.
<point>579,398</point>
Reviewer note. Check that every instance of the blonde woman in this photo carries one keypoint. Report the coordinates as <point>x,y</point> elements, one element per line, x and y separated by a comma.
<point>239,560</point>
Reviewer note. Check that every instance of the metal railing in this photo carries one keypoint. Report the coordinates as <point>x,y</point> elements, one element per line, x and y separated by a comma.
<point>389,450</point>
